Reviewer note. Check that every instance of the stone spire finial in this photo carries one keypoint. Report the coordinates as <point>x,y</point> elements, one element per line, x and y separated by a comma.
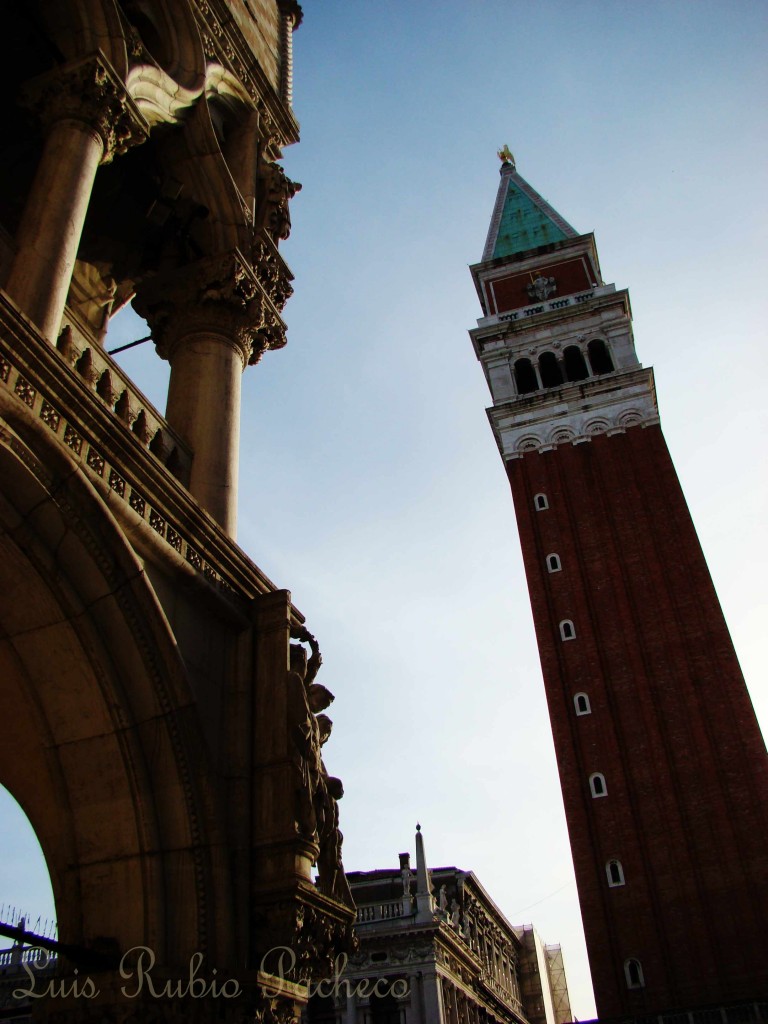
<point>425,905</point>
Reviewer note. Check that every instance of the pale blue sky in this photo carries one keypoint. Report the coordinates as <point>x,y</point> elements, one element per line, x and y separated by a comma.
<point>371,485</point>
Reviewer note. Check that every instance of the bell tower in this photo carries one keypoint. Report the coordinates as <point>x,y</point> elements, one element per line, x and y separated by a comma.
<point>662,765</point>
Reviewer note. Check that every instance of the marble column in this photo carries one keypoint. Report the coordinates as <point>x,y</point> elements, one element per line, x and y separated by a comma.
<point>88,118</point>
<point>434,1012</point>
<point>204,407</point>
<point>210,320</point>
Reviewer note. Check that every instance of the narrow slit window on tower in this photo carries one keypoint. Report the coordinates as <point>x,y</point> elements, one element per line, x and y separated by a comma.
<point>540,502</point>
<point>525,377</point>
<point>615,873</point>
<point>597,784</point>
<point>553,563</point>
<point>582,705</point>
<point>567,632</point>
<point>549,369</point>
<point>633,971</point>
<point>599,356</point>
<point>575,365</point>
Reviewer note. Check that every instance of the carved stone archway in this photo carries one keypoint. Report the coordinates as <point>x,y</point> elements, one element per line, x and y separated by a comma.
<point>100,755</point>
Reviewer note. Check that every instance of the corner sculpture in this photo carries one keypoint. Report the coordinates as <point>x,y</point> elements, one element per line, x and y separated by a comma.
<point>317,792</point>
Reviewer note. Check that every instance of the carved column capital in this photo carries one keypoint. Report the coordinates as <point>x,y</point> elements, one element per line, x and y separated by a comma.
<point>89,91</point>
<point>270,269</point>
<point>315,928</point>
<point>220,295</point>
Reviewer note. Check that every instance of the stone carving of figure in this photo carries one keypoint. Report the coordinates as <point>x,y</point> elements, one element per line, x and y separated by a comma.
<point>318,793</point>
<point>325,725</point>
<point>442,900</point>
<point>319,697</point>
<point>455,914</point>
<point>278,191</point>
<point>306,745</point>
<point>407,876</point>
<point>330,869</point>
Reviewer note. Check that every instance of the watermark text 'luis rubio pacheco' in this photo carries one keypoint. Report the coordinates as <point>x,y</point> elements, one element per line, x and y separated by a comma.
<point>138,963</point>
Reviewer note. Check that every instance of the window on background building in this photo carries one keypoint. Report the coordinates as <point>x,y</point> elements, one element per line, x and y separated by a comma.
<point>321,1010</point>
<point>615,873</point>
<point>633,971</point>
<point>540,502</point>
<point>385,1009</point>
<point>567,632</point>
<point>582,705</point>
<point>597,784</point>
<point>553,563</point>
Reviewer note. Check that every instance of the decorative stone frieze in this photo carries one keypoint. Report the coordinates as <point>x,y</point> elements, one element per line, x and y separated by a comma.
<point>89,91</point>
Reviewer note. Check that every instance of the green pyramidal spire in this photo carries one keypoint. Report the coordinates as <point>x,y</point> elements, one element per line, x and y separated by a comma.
<point>522,219</point>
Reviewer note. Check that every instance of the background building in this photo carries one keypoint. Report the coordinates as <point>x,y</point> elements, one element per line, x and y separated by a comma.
<point>435,949</point>
<point>662,765</point>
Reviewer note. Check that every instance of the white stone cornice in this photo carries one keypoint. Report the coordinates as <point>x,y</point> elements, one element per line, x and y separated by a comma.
<point>573,413</point>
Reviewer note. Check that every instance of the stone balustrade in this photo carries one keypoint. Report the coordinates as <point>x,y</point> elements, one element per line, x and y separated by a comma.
<point>385,911</point>
<point>28,955</point>
<point>120,395</point>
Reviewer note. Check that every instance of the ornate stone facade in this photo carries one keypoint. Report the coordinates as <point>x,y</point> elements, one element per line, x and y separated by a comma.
<point>168,722</point>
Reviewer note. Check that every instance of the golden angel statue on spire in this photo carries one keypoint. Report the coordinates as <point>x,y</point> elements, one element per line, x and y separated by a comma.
<point>505,155</point>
